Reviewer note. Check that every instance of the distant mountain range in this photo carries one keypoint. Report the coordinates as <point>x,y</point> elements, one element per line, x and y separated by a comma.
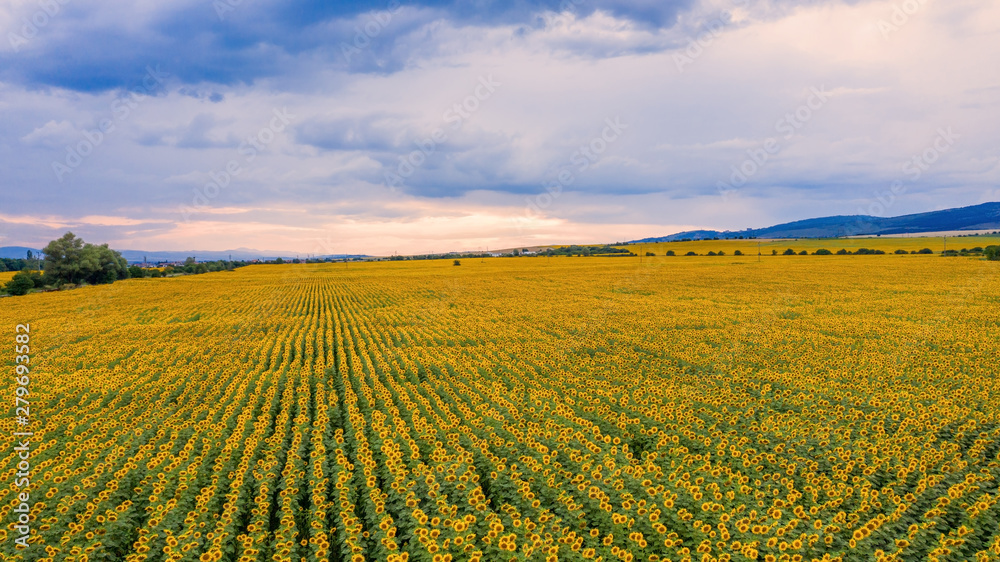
<point>244,254</point>
<point>137,256</point>
<point>17,252</point>
<point>977,217</point>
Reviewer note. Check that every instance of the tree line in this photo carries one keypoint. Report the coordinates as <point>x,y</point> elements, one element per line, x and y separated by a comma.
<point>69,262</point>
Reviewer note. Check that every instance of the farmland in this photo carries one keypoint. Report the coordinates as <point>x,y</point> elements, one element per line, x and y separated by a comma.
<point>887,244</point>
<point>518,409</point>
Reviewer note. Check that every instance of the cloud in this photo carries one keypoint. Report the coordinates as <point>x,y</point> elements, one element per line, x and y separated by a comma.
<point>52,135</point>
<point>378,133</point>
<point>112,42</point>
<point>199,132</point>
<point>562,71</point>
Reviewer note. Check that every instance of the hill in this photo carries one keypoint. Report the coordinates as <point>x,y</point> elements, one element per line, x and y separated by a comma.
<point>17,252</point>
<point>975,217</point>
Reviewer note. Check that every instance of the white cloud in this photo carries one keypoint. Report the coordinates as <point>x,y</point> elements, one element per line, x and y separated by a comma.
<point>559,82</point>
<point>52,135</point>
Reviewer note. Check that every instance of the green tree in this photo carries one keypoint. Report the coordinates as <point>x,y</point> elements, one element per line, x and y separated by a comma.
<point>63,258</point>
<point>136,272</point>
<point>103,265</point>
<point>20,284</point>
<point>70,260</point>
<point>992,253</point>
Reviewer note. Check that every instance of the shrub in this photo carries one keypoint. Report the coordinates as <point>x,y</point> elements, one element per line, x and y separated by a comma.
<point>38,280</point>
<point>803,253</point>
<point>737,252</point>
<point>926,251</point>
<point>711,253</point>
<point>156,273</point>
<point>721,253</point>
<point>20,284</point>
<point>650,254</point>
<point>788,252</point>
<point>456,262</point>
<point>822,252</point>
<point>992,253</point>
<point>842,252</point>
<point>900,252</point>
<point>691,254</point>
<point>671,253</point>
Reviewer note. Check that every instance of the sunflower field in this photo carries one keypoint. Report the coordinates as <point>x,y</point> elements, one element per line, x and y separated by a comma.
<point>799,408</point>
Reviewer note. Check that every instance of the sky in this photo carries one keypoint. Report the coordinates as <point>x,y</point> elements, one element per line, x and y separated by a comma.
<point>385,127</point>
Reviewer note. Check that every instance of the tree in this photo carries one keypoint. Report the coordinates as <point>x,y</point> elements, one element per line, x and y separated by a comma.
<point>738,252</point>
<point>70,260</point>
<point>926,251</point>
<point>20,284</point>
<point>671,253</point>
<point>992,253</point>
<point>691,254</point>
<point>63,258</point>
<point>101,264</point>
<point>822,252</point>
<point>788,252</point>
<point>456,262</point>
<point>136,272</point>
